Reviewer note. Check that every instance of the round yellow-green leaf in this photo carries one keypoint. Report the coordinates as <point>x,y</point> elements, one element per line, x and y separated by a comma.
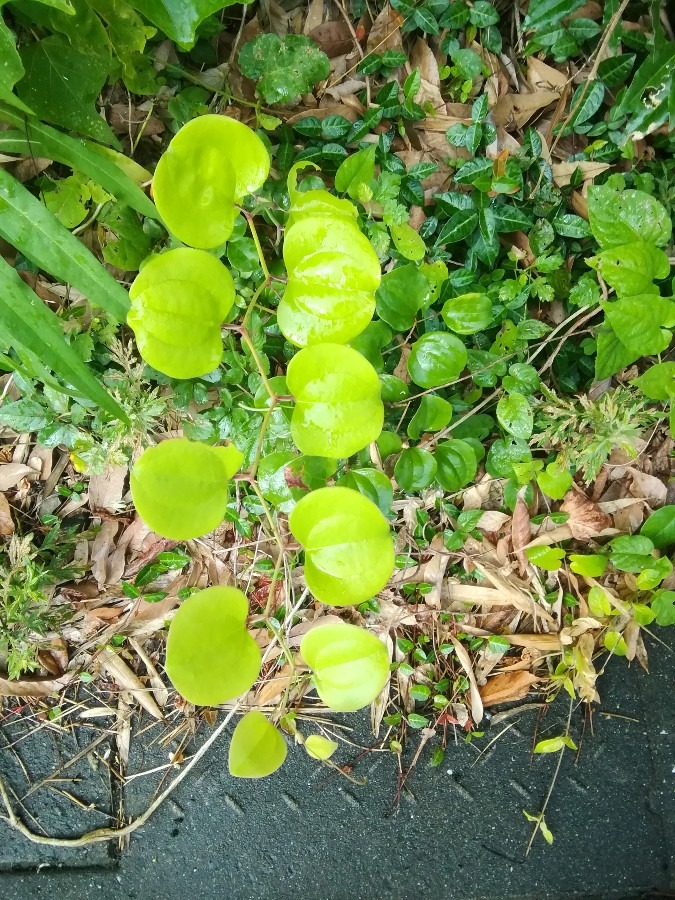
<point>349,554</point>
<point>408,242</point>
<point>180,487</point>
<point>468,314</point>
<point>338,409</point>
<point>333,273</point>
<point>178,303</point>
<point>210,656</point>
<point>350,665</point>
<point>211,164</point>
<point>257,748</point>
<point>320,747</point>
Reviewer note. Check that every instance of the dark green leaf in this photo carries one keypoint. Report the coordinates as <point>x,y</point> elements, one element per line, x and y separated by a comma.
<point>616,69</point>
<point>62,84</point>
<point>457,464</point>
<point>400,295</point>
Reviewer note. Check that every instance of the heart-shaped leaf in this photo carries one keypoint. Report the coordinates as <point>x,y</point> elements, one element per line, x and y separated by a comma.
<point>350,665</point>
<point>333,273</point>
<point>257,748</point>
<point>338,409</point>
<point>211,164</point>
<point>210,656</point>
<point>179,301</point>
<point>349,555</point>
<point>180,487</point>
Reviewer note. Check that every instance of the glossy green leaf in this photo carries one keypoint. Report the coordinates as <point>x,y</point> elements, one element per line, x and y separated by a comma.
<point>415,469</point>
<point>11,67</point>
<point>179,19</point>
<point>640,322</point>
<point>437,358</point>
<point>632,552</point>
<point>401,295</point>
<point>548,558</point>
<point>36,232</point>
<point>257,748</point>
<point>333,273</point>
<point>433,414</point>
<point>615,643</point>
<point>653,574</point>
<point>598,602</point>
<point>180,487</point>
<point>658,382</point>
<point>357,171</point>
<point>338,409</point>
<point>283,67</point>
<point>314,202</point>
<point>29,323</point>
<point>555,481</point>
<point>408,242</point>
<point>43,140</point>
<point>319,747</point>
<point>211,164</point>
<point>515,415</point>
<point>179,301</point>
<point>660,527</point>
<point>457,464</point>
<point>621,217</point>
<point>663,606</point>
<point>350,665</point>
<point>349,554</point>
<point>372,483</point>
<point>592,565</point>
<point>468,314</point>
<point>632,268</point>
<point>62,84</point>
<point>210,656</point>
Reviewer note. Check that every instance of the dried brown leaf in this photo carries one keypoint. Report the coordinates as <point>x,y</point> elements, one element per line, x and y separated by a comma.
<point>586,519</point>
<point>386,32</point>
<point>127,679</point>
<point>106,490</point>
<point>507,687</point>
<point>33,686</point>
<point>562,172</point>
<point>334,38</point>
<point>474,693</point>
<point>521,531</point>
<point>12,473</point>
<point>6,521</point>
<point>648,487</point>
<point>542,77</point>
<point>513,111</point>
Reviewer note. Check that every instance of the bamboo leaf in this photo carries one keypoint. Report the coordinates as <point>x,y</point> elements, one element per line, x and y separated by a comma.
<point>36,232</point>
<point>32,325</point>
<point>38,139</point>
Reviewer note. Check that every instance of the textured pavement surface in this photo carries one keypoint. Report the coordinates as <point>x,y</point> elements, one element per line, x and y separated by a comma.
<point>458,832</point>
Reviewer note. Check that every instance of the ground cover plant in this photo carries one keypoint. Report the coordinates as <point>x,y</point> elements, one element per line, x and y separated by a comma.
<point>368,399</point>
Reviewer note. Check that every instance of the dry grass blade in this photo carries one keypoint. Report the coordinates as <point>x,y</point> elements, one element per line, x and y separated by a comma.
<point>33,686</point>
<point>129,681</point>
<point>465,662</point>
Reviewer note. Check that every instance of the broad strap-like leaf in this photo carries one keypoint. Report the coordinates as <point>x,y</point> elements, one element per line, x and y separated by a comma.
<point>37,139</point>
<point>26,320</point>
<point>37,233</point>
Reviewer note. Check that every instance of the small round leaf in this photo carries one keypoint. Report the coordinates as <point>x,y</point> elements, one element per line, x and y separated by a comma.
<point>468,314</point>
<point>515,415</point>
<point>178,302</point>
<point>349,554</point>
<point>211,164</point>
<point>180,487</point>
<point>350,665</point>
<point>210,656</point>
<point>436,358</point>
<point>415,469</point>
<point>457,464</point>
<point>257,748</point>
<point>338,409</point>
<point>319,747</point>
